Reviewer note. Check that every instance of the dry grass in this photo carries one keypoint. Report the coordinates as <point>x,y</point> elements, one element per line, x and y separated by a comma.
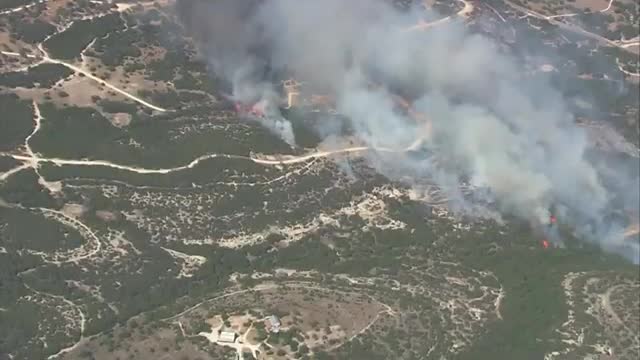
<point>593,5</point>
<point>324,317</point>
<point>7,43</point>
<point>152,53</point>
<point>134,81</point>
<point>634,49</point>
<point>160,344</point>
<point>52,8</point>
<point>81,90</point>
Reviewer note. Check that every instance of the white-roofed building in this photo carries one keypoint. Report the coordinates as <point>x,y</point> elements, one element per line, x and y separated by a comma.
<point>273,324</point>
<point>227,336</point>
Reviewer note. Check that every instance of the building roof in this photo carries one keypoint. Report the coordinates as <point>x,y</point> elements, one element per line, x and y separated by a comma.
<point>274,321</point>
<point>227,336</point>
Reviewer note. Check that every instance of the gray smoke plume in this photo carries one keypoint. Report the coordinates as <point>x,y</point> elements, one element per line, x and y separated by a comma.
<point>233,45</point>
<point>491,126</point>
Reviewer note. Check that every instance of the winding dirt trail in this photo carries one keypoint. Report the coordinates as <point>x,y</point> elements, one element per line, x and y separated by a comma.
<point>82,320</point>
<point>76,254</point>
<point>34,160</point>
<point>605,300</point>
<point>87,250</point>
<point>31,161</point>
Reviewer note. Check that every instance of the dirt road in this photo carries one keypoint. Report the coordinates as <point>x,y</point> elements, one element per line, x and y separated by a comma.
<point>46,59</point>
<point>465,12</point>
<point>283,160</point>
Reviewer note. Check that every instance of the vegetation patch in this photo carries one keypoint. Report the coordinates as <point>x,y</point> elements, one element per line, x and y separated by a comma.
<point>42,76</point>
<point>23,188</point>
<point>185,135</point>
<point>85,132</point>
<point>69,44</point>
<point>118,46</point>
<point>114,107</point>
<point>22,229</point>
<point>32,32</point>
<point>7,163</point>
<point>8,4</point>
<point>15,127</point>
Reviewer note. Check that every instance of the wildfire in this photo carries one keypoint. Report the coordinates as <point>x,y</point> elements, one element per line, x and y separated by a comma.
<point>257,109</point>
<point>632,230</point>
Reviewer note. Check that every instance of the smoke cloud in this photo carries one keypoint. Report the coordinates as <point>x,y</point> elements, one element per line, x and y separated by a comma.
<point>489,125</point>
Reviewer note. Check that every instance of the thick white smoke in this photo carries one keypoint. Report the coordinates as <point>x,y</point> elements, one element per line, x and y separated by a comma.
<point>489,124</point>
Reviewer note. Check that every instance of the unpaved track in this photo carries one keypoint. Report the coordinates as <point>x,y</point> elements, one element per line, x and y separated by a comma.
<point>105,83</point>
<point>79,227</point>
<point>46,59</point>
<point>569,27</point>
<point>608,7</point>
<point>7,174</point>
<point>463,13</point>
<point>625,71</point>
<point>20,8</point>
<point>72,255</point>
<point>81,315</point>
<point>34,159</point>
<point>605,300</point>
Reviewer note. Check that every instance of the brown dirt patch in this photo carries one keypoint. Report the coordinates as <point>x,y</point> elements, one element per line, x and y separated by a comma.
<point>53,6</point>
<point>7,43</point>
<point>82,90</point>
<point>120,120</point>
<point>214,322</point>
<point>634,49</point>
<point>106,215</point>
<point>77,91</point>
<point>155,343</point>
<point>73,210</point>
<point>152,53</point>
<point>593,5</point>
<point>318,309</point>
